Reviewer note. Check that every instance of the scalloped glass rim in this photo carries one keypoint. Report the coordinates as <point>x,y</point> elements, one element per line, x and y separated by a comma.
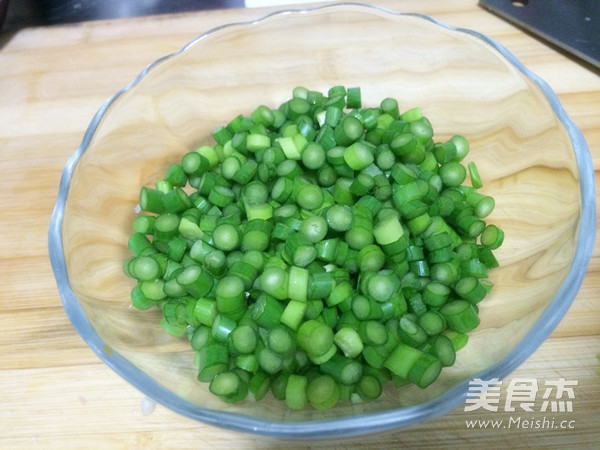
<point>367,423</point>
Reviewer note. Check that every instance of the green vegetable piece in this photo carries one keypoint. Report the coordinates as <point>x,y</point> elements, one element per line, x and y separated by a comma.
<point>318,250</point>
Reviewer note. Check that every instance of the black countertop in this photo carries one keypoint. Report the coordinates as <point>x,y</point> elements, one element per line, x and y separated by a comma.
<point>22,13</point>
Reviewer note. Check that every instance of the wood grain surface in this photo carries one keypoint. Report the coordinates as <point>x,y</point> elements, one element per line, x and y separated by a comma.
<point>55,392</point>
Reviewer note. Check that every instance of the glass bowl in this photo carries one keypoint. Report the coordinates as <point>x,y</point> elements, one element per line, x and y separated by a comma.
<point>532,158</point>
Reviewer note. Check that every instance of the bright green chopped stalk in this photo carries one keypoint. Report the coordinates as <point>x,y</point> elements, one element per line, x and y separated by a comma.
<point>269,360</point>
<point>373,332</point>
<point>139,300</point>
<point>256,235</point>
<point>340,292</point>
<point>295,392</point>
<point>280,340</point>
<point>365,308</point>
<point>432,322</point>
<point>314,337</point>
<point>144,268</point>
<point>229,387</point>
<point>358,156</point>
<point>353,97</point>
<point>247,363</point>
<point>458,339</point>
<point>323,392</point>
<point>197,281</point>
<point>212,360</point>
<point>348,131</point>
<point>294,313</point>
<point>314,228</point>
<point>257,142</point>
<point>221,196</point>
<point>369,388</point>
<point>205,311</point>
<point>230,297</point>
<point>345,370</point>
<point>371,258</point>
<point>194,164</point>
<point>474,175</point>
<point>339,217</point>
<point>267,311</point>
<point>144,224</point>
<point>259,384</point>
<point>226,237</point>
<point>300,250</point>
<point>469,288</point>
<point>492,237</point>
<point>462,146</point>
<point>452,173</point>
<point>310,197</point>
<point>222,327</point>
<point>411,332</point>
<point>274,281</point>
<point>318,249</point>
<point>460,315</point>
<point>442,348</point>
<point>425,371</point>
<point>349,342</point>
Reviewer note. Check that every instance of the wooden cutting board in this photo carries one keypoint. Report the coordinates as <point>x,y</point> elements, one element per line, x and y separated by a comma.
<point>55,392</point>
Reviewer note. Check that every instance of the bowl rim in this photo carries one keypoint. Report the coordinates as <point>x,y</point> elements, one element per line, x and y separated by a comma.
<point>350,425</point>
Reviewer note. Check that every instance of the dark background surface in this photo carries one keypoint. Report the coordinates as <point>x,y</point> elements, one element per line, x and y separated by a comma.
<point>22,13</point>
<point>572,25</point>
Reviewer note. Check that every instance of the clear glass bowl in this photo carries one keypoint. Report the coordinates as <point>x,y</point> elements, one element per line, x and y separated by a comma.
<point>531,156</point>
